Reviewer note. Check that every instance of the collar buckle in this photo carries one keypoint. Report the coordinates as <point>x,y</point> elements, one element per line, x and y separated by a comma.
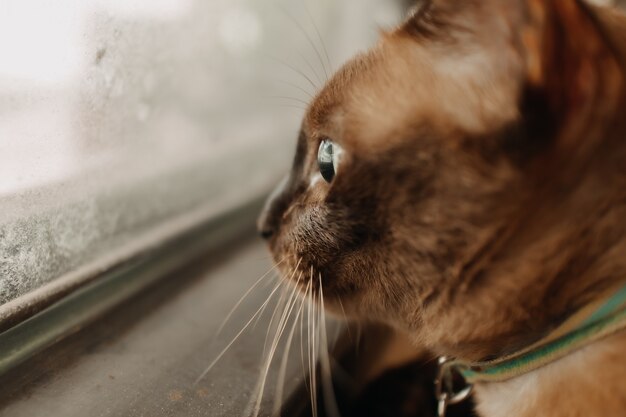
<point>444,386</point>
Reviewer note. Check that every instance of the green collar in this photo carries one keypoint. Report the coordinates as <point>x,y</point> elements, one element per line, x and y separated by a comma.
<point>595,321</point>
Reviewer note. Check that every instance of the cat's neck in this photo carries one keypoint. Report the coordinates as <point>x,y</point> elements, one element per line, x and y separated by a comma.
<point>549,269</point>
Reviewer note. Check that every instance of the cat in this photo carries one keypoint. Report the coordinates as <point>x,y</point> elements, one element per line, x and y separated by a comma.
<point>464,182</point>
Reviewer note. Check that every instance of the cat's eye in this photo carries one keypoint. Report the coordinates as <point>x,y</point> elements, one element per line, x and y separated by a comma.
<point>327,159</point>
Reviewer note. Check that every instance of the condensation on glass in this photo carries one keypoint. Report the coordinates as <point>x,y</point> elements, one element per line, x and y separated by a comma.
<point>124,121</point>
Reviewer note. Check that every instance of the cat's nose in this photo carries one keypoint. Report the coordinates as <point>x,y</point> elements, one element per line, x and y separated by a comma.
<point>268,222</point>
<point>264,229</point>
<point>264,226</point>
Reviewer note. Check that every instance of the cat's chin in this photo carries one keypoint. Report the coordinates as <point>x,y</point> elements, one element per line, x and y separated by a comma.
<point>315,285</point>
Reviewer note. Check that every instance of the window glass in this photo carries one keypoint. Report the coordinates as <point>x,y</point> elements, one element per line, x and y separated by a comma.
<point>123,122</point>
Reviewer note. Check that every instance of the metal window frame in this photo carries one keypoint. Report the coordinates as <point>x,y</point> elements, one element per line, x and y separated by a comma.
<point>95,297</point>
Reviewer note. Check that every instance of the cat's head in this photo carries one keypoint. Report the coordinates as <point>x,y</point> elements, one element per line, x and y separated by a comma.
<point>419,154</point>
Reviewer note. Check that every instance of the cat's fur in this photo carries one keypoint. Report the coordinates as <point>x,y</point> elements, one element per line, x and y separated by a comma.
<point>482,195</point>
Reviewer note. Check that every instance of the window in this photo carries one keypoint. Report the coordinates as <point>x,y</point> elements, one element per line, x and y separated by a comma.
<point>124,124</point>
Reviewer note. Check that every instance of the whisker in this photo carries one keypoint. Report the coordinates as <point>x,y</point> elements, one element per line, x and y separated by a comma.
<point>230,313</point>
<point>311,67</point>
<point>277,308</point>
<point>283,366</point>
<point>290,106</point>
<point>280,305</point>
<point>304,300</point>
<point>258,318</point>
<point>287,102</point>
<point>309,345</point>
<point>306,35</point>
<point>337,336</point>
<point>281,327</point>
<point>330,401</point>
<point>306,103</point>
<point>305,91</point>
<point>345,317</point>
<point>208,368</point>
<point>319,36</point>
<point>314,353</point>
<point>263,308</point>
<point>296,70</point>
<point>264,257</point>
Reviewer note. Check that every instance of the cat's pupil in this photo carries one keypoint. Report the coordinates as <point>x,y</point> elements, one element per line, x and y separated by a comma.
<point>325,160</point>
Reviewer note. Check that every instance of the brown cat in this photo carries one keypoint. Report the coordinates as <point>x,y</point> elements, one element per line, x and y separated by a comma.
<point>464,181</point>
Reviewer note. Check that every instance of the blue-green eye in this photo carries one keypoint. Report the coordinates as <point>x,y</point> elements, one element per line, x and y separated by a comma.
<point>326,158</point>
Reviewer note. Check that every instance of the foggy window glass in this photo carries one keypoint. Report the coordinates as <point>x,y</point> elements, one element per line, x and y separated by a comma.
<point>123,122</point>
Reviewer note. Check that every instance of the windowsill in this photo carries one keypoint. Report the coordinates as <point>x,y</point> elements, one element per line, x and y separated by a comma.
<point>93,233</point>
<point>143,358</point>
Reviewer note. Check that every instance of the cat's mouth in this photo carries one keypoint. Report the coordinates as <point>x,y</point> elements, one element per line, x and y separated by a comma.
<point>302,273</point>
<point>315,282</point>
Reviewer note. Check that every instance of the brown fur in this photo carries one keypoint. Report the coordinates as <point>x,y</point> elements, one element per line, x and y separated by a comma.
<point>482,196</point>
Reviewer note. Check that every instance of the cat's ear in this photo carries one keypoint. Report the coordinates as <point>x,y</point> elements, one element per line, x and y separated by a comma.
<point>551,64</point>
<point>571,71</point>
<point>564,51</point>
<point>567,55</point>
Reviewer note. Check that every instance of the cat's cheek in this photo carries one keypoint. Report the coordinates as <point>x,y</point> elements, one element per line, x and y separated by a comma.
<point>316,179</point>
<point>317,192</point>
